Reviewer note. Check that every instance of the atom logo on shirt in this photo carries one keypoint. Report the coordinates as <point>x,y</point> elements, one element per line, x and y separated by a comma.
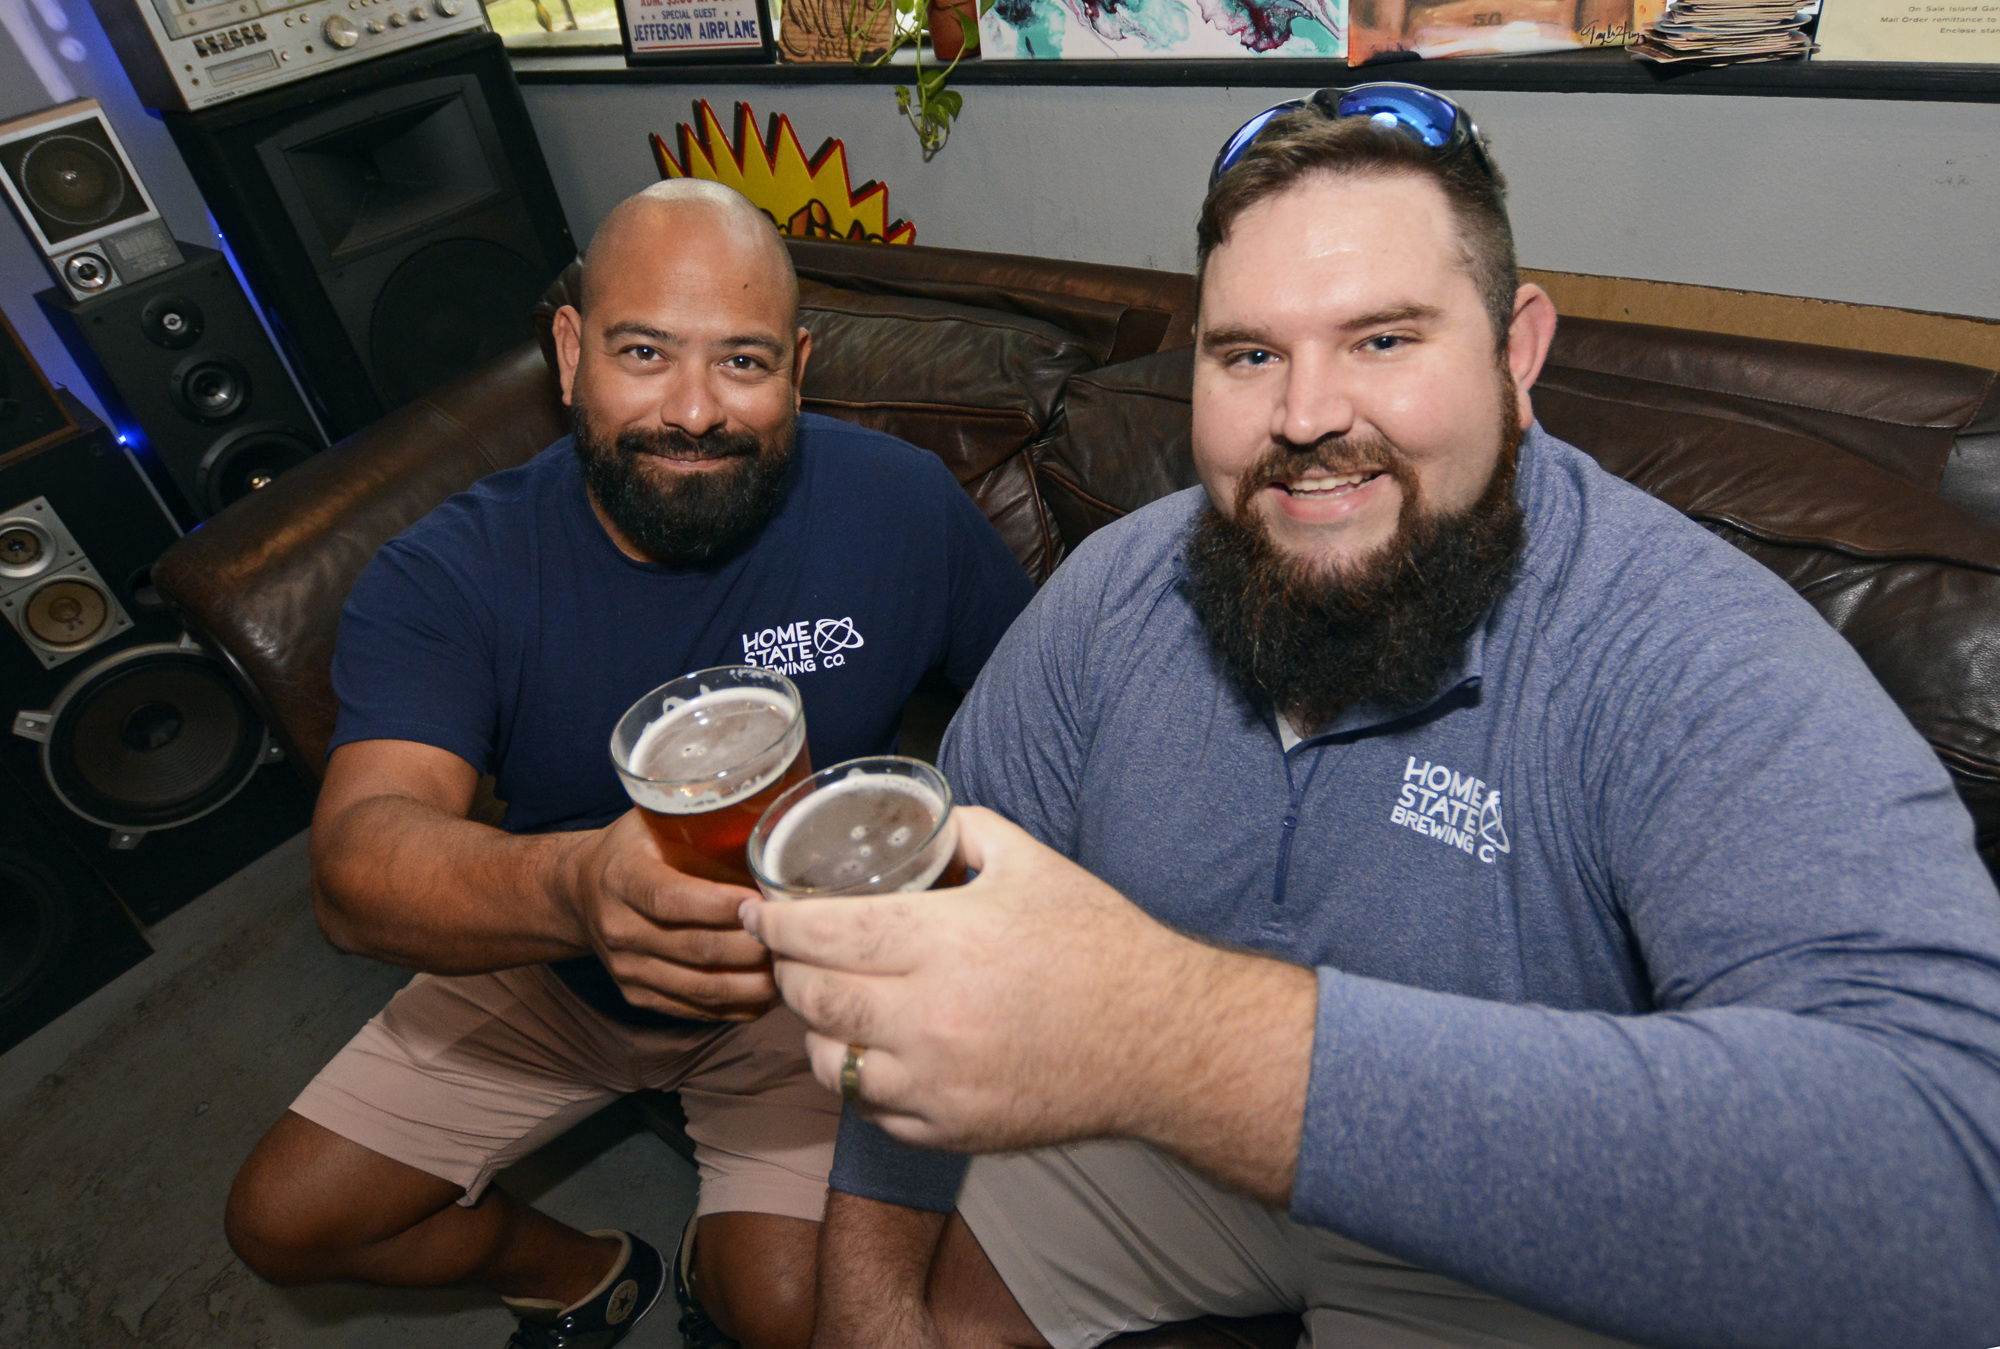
<point>802,646</point>
<point>835,634</point>
<point>1454,808</point>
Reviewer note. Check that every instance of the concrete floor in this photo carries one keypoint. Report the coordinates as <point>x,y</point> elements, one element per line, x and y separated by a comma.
<point>122,1124</point>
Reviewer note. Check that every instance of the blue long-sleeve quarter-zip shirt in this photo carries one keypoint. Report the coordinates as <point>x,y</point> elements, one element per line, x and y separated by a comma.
<point>1659,979</point>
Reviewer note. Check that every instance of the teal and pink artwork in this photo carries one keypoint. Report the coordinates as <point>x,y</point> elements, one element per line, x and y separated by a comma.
<point>1026,30</point>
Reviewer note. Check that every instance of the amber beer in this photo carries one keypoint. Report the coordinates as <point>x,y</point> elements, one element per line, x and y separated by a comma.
<point>864,827</point>
<point>703,756</point>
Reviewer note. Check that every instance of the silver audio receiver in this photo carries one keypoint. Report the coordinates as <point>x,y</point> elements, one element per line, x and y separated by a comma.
<point>188,54</point>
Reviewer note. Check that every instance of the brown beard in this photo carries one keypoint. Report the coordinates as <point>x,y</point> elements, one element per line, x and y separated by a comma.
<point>1314,640</point>
<point>699,516</point>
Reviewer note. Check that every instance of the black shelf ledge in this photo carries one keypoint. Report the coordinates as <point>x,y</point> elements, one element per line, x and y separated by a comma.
<point>1594,72</point>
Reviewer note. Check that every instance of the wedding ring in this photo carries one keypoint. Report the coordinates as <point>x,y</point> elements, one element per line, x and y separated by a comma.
<point>850,1073</point>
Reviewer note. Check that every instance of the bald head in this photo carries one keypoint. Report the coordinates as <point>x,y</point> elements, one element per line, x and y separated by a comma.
<point>679,215</point>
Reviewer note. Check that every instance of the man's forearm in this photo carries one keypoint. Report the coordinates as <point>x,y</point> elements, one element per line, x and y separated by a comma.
<point>1223,1083</point>
<point>873,1261</point>
<point>404,882</point>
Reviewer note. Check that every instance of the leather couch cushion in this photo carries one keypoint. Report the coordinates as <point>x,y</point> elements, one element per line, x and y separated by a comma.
<point>1912,582</point>
<point>264,580</point>
<point>1125,438</point>
<point>1120,312</point>
<point>976,387</point>
<point>1901,413</point>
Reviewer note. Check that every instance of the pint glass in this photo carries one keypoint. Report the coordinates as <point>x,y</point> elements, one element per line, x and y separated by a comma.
<point>703,755</point>
<point>864,827</point>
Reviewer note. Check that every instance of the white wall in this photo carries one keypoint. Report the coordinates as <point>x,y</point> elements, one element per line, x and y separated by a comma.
<point>1871,202</point>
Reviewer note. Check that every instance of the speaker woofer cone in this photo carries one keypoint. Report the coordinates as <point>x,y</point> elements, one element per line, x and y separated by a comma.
<point>151,738</point>
<point>448,308</point>
<point>69,179</point>
<point>249,460</point>
<point>68,613</point>
<point>212,389</point>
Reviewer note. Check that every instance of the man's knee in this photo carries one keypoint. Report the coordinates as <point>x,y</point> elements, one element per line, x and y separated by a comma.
<point>272,1233</point>
<point>306,1199</point>
<point>756,1276</point>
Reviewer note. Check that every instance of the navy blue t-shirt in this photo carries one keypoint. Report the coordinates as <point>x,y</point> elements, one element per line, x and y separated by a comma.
<point>508,629</point>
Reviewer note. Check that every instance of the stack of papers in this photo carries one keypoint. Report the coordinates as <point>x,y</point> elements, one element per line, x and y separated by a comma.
<point>1729,30</point>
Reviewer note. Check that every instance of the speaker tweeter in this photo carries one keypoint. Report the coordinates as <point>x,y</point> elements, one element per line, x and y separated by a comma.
<point>49,592</point>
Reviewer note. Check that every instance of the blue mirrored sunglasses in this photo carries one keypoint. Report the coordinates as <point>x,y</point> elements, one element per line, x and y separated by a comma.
<point>1421,114</point>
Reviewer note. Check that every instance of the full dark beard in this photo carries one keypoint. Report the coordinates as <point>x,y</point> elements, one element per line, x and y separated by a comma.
<point>1314,640</point>
<point>696,516</point>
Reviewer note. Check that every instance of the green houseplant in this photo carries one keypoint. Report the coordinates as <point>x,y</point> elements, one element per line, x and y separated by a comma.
<point>929,104</point>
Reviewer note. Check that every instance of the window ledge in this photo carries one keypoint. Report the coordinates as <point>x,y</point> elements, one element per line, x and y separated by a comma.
<point>565,45</point>
<point>1595,72</point>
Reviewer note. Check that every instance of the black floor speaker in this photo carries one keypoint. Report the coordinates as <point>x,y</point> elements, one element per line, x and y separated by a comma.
<point>182,364</point>
<point>395,219</point>
<point>138,746</point>
<point>63,934</point>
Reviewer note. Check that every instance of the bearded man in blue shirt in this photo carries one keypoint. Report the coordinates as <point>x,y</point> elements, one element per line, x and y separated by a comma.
<point>1435,887</point>
<point>696,518</point>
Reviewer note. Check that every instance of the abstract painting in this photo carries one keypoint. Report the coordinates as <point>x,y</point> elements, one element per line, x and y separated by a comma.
<point>1439,28</point>
<point>1095,29</point>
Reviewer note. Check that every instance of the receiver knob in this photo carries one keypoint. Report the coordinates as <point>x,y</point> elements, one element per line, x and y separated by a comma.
<point>340,33</point>
<point>451,9</point>
<point>397,21</point>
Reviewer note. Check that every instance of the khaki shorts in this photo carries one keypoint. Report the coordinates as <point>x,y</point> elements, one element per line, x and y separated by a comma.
<point>461,1077</point>
<point>1097,1239</point>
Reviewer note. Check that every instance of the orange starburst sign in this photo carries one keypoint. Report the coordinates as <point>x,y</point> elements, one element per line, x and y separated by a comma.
<point>808,198</point>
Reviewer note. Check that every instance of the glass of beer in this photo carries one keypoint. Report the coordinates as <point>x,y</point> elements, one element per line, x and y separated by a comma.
<point>864,827</point>
<point>703,755</point>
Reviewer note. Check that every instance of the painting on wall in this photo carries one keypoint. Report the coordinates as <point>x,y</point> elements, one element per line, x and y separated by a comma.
<point>1096,29</point>
<point>809,198</point>
<point>1440,28</point>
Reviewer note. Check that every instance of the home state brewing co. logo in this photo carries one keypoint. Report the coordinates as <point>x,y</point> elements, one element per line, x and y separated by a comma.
<point>803,645</point>
<point>1457,810</point>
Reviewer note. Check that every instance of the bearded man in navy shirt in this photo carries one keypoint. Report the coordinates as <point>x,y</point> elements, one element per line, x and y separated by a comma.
<point>1448,894</point>
<point>694,519</point>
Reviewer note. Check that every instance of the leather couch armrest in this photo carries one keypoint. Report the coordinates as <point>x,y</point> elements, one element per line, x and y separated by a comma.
<point>262,583</point>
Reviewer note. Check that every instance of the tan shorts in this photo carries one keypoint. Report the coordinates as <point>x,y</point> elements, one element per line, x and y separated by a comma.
<point>1097,1239</point>
<point>461,1077</point>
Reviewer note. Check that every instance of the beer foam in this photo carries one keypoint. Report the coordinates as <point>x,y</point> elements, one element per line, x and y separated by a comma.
<point>682,761</point>
<point>872,854</point>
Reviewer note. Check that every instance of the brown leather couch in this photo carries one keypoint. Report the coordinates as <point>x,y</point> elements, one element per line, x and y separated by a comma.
<point>1058,393</point>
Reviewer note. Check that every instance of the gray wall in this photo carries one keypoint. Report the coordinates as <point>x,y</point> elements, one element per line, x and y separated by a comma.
<point>52,51</point>
<point>1876,203</point>
<point>1879,203</point>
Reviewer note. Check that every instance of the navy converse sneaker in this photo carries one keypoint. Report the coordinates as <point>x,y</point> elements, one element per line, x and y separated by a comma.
<point>605,1317</point>
<point>697,1330</point>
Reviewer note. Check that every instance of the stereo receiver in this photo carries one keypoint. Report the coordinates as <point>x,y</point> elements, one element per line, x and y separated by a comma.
<point>188,54</point>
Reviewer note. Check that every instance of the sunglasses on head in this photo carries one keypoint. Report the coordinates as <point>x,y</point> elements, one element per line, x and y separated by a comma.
<point>1425,116</point>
